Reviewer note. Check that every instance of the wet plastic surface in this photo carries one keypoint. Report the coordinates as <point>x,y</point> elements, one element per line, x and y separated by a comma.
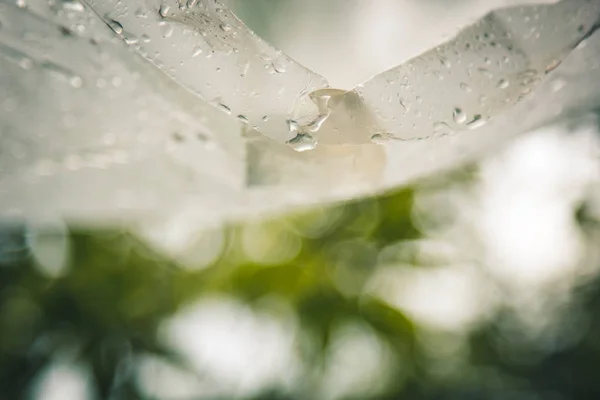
<point>93,131</point>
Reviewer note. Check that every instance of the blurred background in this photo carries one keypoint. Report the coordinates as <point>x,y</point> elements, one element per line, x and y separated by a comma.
<point>480,283</point>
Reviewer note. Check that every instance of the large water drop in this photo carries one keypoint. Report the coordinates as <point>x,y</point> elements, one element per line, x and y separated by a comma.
<point>116,26</point>
<point>303,142</point>
<point>459,116</point>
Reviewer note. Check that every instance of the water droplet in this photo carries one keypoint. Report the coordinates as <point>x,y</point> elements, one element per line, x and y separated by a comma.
<point>197,51</point>
<point>265,118</point>
<point>145,38</point>
<point>225,108</point>
<point>243,118</point>
<point>225,27</point>
<point>466,87</point>
<point>73,5</point>
<point>459,116</point>
<point>503,84</point>
<point>379,138</point>
<point>65,31</point>
<point>164,10</point>
<point>405,105</point>
<point>476,122</point>
<point>279,67</point>
<point>292,125</point>
<point>130,38</point>
<point>445,63</point>
<point>302,142</point>
<point>115,26</point>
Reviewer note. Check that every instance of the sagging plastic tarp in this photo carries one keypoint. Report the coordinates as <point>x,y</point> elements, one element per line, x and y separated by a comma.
<point>121,110</point>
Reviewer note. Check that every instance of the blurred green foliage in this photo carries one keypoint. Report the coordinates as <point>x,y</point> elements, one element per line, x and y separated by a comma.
<point>109,306</point>
<point>117,291</point>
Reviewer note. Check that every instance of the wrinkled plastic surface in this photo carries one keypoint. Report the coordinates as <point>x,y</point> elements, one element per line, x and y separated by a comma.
<point>202,45</point>
<point>88,129</point>
<point>488,68</point>
<point>351,41</point>
<point>93,131</point>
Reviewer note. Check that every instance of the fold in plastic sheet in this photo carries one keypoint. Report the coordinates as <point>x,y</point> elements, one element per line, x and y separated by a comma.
<point>567,92</point>
<point>205,47</point>
<point>486,69</point>
<point>93,133</point>
<point>374,35</point>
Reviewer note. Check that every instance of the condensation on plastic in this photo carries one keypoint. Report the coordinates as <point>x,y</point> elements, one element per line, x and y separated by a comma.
<point>205,47</point>
<point>88,128</point>
<point>488,68</point>
<point>93,132</point>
